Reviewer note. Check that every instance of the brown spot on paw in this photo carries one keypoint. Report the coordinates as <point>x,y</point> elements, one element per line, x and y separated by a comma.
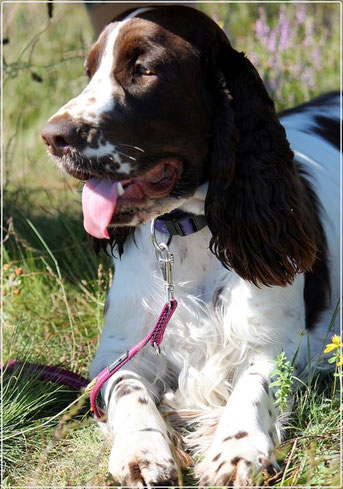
<point>135,473</point>
<point>235,460</point>
<point>228,438</point>
<point>227,479</point>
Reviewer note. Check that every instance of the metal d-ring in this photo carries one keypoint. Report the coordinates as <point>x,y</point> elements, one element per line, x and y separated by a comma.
<point>165,261</point>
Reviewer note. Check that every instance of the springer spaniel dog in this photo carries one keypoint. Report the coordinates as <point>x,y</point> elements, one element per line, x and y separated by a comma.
<point>177,126</point>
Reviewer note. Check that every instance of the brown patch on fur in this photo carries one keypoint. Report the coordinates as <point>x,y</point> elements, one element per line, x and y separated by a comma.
<point>92,61</point>
<point>142,400</point>
<point>241,434</point>
<point>228,438</point>
<point>228,478</point>
<point>123,390</point>
<point>135,473</point>
<point>235,460</point>
<point>216,457</point>
<point>155,430</point>
<point>220,466</point>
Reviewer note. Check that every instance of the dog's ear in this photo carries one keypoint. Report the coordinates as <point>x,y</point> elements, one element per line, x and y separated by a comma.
<point>257,208</point>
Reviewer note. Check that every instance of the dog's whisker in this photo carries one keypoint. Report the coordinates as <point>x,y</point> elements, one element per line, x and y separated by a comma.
<point>127,156</point>
<point>131,147</point>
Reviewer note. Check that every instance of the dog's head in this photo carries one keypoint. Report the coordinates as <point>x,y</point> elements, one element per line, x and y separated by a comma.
<point>171,105</point>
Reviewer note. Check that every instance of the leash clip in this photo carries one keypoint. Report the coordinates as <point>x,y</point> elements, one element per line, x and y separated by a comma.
<point>165,260</point>
<point>157,349</point>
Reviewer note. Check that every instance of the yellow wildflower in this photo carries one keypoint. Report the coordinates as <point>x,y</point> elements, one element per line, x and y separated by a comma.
<point>340,361</point>
<point>335,344</point>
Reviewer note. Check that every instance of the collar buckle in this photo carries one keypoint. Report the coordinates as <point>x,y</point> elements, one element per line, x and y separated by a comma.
<point>180,223</point>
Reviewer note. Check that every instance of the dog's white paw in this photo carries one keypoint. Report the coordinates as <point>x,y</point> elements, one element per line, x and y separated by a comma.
<point>234,460</point>
<point>143,459</point>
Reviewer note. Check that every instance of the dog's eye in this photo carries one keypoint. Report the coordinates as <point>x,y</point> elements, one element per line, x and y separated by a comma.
<point>142,70</point>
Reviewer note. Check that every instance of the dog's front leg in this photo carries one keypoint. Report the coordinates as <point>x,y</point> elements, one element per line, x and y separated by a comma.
<point>247,431</point>
<point>246,434</point>
<point>141,453</point>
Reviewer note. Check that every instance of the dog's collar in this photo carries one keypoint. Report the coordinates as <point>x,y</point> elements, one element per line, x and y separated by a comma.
<point>180,223</point>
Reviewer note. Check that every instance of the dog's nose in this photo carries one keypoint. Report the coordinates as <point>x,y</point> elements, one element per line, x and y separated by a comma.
<point>60,136</point>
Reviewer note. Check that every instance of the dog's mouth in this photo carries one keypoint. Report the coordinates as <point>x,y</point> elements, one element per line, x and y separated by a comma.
<point>106,202</point>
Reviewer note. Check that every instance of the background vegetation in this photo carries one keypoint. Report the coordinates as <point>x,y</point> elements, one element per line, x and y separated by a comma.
<point>54,288</point>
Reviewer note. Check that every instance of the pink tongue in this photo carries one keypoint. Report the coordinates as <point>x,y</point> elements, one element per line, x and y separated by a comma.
<point>99,197</point>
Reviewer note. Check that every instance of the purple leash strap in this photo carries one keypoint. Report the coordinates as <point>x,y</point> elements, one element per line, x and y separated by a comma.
<point>51,373</point>
<point>165,261</point>
<point>155,337</point>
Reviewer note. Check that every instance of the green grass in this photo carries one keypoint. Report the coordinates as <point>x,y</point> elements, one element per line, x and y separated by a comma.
<point>55,287</point>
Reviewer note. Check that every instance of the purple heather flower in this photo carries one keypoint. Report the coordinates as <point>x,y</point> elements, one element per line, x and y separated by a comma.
<point>271,43</point>
<point>261,27</point>
<point>300,13</point>
<point>285,30</point>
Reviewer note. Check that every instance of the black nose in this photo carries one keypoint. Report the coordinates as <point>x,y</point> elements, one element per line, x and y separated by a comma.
<point>60,136</point>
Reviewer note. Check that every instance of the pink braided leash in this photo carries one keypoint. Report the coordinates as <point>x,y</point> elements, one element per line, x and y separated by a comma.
<point>155,337</point>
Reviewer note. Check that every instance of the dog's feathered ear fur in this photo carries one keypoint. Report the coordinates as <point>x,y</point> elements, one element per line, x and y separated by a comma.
<point>257,209</point>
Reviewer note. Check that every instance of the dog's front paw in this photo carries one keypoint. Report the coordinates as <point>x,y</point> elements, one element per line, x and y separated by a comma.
<point>143,459</point>
<point>235,460</point>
